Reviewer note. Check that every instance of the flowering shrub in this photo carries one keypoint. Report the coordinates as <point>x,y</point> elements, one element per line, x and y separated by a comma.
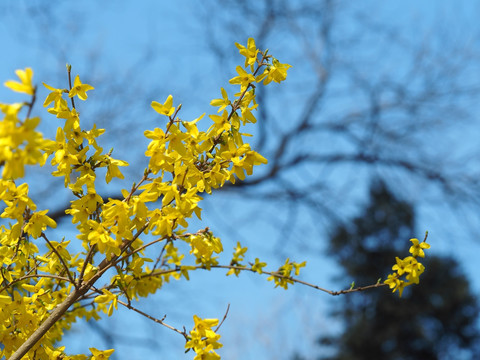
<point>38,287</point>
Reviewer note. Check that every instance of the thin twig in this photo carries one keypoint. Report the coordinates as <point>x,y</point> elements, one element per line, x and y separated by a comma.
<point>224,317</point>
<point>136,186</point>
<point>143,247</point>
<point>158,321</point>
<point>85,263</point>
<point>72,280</point>
<point>270,273</point>
<point>69,71</point>
<point>236,104</point>
<point>32,102</point>
<point>108,263</point>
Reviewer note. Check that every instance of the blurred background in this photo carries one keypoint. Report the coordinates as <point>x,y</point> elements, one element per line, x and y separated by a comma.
<point>373,139</point>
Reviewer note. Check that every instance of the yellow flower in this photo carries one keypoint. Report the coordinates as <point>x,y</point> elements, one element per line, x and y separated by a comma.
<point>55,96</point>
<point>165,108</point>
<point>113,170</point>
<point>79,89</point>
<point>221,122</point>
<point>237,258</point>
<point>298,266</point>
<point>223,103</point>
<point>243,78</point>
<point>82,208</point>
<point>414,270</point>
<point>400,266</point>
<point>205,245</point>
<point>246,109</point>
<point>72,124</point>
<point>61,249</point>
<point>108,297</point>
<point>25,86</point>
<point>276,72</point>
<point>392,281</point>
<point>203,340</point>
<point>39,222</point>
<point>408,266</point>
<point>5,300</point>
<point>417,248</point>
<point>396,284</point>
<point>101,355</point>
<point>250,52</point>
<point>204,326</point>
<point>58,353</point>
<point>11,110</point>
<point>258,266</point>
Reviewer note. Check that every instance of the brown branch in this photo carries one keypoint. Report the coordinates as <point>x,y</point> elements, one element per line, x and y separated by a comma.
<point>270,273</point>
<point>80,290</point>
<point>224,317</point>
<point>85,263</point>
<point>69,71</point>
<point>158,321</point>
<point>32,102</point>
<point>49,322</point>
<point>236,104</point>
<point>70,277</point>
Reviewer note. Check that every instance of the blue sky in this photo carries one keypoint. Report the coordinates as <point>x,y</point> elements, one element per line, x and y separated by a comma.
<point>108,44</point>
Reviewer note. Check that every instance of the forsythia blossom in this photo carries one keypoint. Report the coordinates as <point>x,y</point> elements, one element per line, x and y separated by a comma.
<point>185,162</point>
<point>79,89</point>
<point>203,340</point>
<point>408,267</point>
<point>250,52</point>
<point>25,85</point>
<point>40,272</point>
<point>166,108</point>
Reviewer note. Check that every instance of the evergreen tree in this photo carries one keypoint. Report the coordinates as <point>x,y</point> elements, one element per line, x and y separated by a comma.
<point>442,312</point>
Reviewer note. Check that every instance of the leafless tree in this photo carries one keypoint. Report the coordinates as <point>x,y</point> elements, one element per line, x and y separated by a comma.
<point>369,94</point>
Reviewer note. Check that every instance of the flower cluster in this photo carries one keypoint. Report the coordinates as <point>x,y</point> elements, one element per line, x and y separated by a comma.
<point>283,276</point>
<point>409,267</point>
<point>185,161</point>
<point>122,236</point>
<point>20,143</point>
<point>203,340</point>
